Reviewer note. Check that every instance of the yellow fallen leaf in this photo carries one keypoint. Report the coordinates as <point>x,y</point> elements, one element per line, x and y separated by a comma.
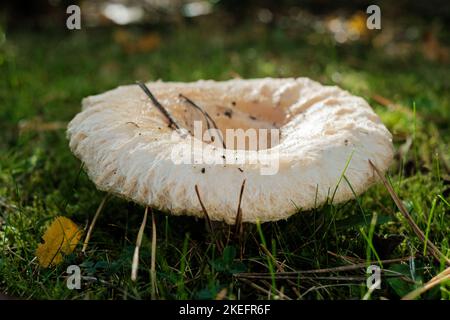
<point>357,24</point>
<point>61,237</point>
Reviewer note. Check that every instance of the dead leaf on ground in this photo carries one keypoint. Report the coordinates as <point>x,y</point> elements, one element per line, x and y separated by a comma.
<point>433,49</point>
<point>61,237</point>
<point>131,43</point>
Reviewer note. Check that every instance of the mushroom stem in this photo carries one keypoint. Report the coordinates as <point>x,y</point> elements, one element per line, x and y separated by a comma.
<point>94,220</point>
<point>158,105</point>
<point>135,263</point>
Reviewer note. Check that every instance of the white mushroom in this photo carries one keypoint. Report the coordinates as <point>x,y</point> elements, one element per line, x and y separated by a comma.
<point>127,146</point>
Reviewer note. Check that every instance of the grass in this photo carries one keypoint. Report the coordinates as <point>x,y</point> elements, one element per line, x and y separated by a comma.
<point>44,75</point>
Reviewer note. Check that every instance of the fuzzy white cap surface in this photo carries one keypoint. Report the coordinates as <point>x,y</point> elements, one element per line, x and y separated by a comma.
<point>126,146</point>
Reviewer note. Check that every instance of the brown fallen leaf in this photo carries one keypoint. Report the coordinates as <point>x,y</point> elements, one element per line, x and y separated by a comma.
<point>61,237</point>
<point>131,43</point>
<point>433,49</point>
<point>39,125</point>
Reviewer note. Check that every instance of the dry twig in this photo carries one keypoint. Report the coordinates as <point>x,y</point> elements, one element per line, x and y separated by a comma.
<point>437,254</point>
<point>92,225</point>
<point>318,271</point>
<point>153,259</point>
<point>208,221</point>
<point>135,263</point>
<point>441,277</point>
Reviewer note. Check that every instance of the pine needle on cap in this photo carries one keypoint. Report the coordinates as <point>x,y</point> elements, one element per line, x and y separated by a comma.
<point>159,106</point>
<point>208,118</point>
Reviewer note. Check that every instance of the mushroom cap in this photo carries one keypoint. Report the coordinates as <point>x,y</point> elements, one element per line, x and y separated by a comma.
<point>128,148</point>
